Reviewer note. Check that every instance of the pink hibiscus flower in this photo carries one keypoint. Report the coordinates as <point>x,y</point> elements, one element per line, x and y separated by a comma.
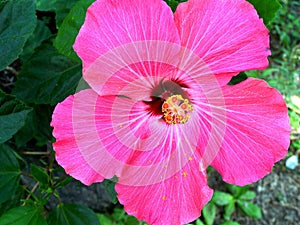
<point>159,110</point>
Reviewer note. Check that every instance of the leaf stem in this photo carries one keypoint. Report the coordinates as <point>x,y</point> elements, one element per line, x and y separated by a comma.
<point>31,191</point>
<point>34,153</point>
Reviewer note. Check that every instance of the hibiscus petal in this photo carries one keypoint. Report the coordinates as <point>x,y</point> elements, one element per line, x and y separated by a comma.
<point>133,75</point>
<point>144,65</point>
<point>67,153</point>
<point>257,132</point>
<point>177,200</point>
<point>114,135</point>
<point>227,35</point>
<point>109,24</point>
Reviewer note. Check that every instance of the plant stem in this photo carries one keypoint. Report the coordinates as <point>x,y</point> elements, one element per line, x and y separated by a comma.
<point>35,153</point>
<point>32,190</point>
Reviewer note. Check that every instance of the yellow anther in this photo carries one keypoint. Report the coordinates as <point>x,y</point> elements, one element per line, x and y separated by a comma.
<point>176,109</point>
<point>190,158</point>
<point>184,174</point>
<point>164,198</point>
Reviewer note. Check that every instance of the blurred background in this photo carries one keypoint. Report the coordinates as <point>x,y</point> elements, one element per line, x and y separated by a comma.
<point>28,167</point>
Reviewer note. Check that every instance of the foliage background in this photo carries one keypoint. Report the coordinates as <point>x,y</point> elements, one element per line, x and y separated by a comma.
<point>39,69</point>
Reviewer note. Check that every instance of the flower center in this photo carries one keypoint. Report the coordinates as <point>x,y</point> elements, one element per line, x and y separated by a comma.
<point>176,109</point>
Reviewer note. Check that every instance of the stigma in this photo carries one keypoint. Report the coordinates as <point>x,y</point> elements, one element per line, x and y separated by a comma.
<point>176,110</point>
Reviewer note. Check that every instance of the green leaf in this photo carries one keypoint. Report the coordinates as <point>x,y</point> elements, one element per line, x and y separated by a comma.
<point>40,34</point>
<point>237,191</point>
<point>104,220</point>
<point>230,223</point>
<point>69,29</point>
<point>37,126</point>
<point>131,220</point>
<point>13,201</point>
<point>62,9</point>
<point>45,5</point>
<point>82,85</point>
<point>199,222</point>
<point>222,198</point>
<point>24,215</point>
<point>39,174</point>
<point>250,209</point>
<point>18,21</point>
<point>249,195</point>
<point>64,182</point>
<point>266,9</point>
<point>110,188</point>
<point>209,213</point>
<point>119,214</point>
<point>238,78</point>
<point>48,78</point>
<point>173,4</point>
<point>74,214</point>
<point>13,114</point>
<point>228,210</point>
<point>9,173</point>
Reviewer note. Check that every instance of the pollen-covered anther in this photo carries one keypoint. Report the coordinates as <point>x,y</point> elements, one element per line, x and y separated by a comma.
<point>176,109</point>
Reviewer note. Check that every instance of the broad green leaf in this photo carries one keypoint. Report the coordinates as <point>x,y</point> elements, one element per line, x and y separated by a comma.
<point>119,214</point>
<point>9,173</point>
<point>26,133</point>
<point>62,9</point>
<point>110,188</point>
<point>199,222</point>
<point>13,202</point>
<point>122,217</point>
<point>250,209</point>
<point>104,220</point>
<point>249,195</point>
<point>238,78</point>
<point>37,126</point>
<point>228,210</point>
<point>40,34</point>
<point>45,5</point>
<point>41,124</point>
<point>64,182</point>
<point>82,85</point>
<point>230,223</point>
<point>48,78</point>
<point>39,174</point>
<point>18,21</point>
<point>209,213</point>
<point>222,198</point>
<point>13,114</point>
<point>266,9</point>
<point>131,220</point>
<point>173,4</point>
<point>74,214</point>
<point>69,29</point>
<point>2,4</point>
<point>237,191</point>
<point>24,215</point>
